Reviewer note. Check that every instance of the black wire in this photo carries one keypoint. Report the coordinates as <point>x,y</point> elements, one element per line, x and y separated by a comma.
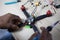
<point>57,6</point>
<point>18,0</point>
<point>34,28</point>
<point>26,13</point>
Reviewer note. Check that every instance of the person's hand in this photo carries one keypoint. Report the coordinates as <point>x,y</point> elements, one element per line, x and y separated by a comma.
<point>10,22</point>
<point>45,35</point>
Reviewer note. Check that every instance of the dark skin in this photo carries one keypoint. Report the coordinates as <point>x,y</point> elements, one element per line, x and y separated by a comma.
<point>10,22</point>
<point>45,35</point>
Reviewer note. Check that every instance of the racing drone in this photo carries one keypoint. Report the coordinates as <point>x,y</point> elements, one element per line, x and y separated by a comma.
<point>31,20</point>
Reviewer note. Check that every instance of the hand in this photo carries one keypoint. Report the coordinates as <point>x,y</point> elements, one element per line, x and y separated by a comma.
<point>45,35</point>
<point>10,22</point>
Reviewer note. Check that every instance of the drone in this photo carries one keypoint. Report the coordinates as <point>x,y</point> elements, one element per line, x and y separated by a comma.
<point>31,20</point>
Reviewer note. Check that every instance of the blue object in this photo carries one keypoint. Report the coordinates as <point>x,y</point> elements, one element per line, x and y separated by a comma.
<point>8,3</point>
<point>5,35</point>
<point>12,2</point>
<point>37,37</point>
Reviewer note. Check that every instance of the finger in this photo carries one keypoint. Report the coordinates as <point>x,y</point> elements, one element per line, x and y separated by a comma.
<point>12,27</point>
<point>42,28</point>
<point>9,16</point>
<point>45,35</point>
<point>44,32</point>
<point>6,17</point>
<point>15,19</point>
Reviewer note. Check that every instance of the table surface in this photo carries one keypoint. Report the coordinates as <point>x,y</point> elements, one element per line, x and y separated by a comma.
<point>26,33</point>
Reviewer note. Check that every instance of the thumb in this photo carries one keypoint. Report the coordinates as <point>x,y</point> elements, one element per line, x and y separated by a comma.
<point>12,27</point>
<point>42,28</point>
<point>44,32</point>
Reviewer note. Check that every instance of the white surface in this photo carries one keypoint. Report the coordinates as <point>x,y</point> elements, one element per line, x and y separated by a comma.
<point>23,34</point>
<point>26,33</point>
